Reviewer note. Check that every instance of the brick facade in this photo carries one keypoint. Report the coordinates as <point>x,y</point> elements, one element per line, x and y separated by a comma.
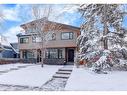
<point>54,61</point>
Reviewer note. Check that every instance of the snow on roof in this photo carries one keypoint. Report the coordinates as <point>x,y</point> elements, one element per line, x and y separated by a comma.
<point>15,47</point>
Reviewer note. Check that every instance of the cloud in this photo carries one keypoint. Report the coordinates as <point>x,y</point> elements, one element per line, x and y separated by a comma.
<point>11,34</point>
<point>65,14</point>
<point>11,14</point>
<point>23,12</point>
<point>62,13</point>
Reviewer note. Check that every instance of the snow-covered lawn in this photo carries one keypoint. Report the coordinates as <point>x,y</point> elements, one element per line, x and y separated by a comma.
<point>9,66</point>
<point>84,79</point>
<point>30,76</point>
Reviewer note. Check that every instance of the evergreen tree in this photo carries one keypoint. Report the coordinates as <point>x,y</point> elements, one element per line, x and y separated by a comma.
<point>102,42</point>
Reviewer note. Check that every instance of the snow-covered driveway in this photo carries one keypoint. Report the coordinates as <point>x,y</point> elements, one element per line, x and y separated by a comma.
<point>83,79</point>
<point>32,76</point>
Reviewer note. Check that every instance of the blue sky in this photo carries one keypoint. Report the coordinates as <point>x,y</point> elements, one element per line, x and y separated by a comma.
<point>17,14</point>
<point>125,22</point>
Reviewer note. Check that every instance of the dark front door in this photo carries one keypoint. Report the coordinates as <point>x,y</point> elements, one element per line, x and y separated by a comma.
<point>38,55</point>
<point>70,55</point>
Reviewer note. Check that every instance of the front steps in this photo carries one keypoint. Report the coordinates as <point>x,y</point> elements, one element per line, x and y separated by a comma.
<point>69,63</point>
<point>66,76</point>
<point>63,72</point>
<point>58,80</point>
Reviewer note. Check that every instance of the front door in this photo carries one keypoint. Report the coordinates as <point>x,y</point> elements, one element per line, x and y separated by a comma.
<point>70,55</point>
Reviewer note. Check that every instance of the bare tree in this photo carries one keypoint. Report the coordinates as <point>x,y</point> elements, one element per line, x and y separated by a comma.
<point>44,28</point>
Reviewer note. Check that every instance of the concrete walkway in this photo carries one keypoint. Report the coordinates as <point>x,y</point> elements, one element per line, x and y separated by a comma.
<point>59,79</point>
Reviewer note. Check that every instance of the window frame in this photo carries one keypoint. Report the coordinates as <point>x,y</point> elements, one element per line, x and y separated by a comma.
<point>22,42</point>
<point>39,38</point>
<point>70,38</point>
<point>52,39</point>
<point>48,53</point>
<point>26,54</point>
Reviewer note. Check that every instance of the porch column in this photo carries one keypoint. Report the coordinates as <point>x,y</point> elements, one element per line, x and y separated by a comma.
<point>35,54</point>
<point>21,54</point>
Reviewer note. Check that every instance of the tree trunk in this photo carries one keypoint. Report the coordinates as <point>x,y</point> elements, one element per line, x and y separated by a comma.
<point>105,32</point>
<point>42,55</point>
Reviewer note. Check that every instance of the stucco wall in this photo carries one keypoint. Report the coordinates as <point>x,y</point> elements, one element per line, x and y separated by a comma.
<point>53,43</point>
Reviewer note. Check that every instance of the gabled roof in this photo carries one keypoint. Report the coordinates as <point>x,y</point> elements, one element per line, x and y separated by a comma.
<point>24,26</point>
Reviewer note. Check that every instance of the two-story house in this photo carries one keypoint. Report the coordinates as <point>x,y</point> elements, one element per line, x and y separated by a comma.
<point>59,49</point>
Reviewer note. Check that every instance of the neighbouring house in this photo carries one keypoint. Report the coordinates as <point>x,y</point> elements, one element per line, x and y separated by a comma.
<point>15,47</point>
<point>60,48</point>
<point>6,50</point>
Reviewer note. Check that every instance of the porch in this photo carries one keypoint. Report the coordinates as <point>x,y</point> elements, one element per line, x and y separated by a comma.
<point>53,56</point>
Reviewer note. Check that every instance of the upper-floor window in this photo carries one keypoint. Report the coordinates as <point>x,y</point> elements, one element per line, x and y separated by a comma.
<point>29,30</point>
<point>67,35</point>
<point>24,40</point>
<point>50,36</point>
<point>36,39</point>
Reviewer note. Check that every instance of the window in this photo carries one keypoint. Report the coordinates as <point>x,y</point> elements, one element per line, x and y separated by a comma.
<point>67,35</point>
<point>52,36</point>
<point>60,53</point>
<point>30,30</point>
<point>36,39</point>
<point>54,53</point>
<point>24,40</point>
<point>28,54</point>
